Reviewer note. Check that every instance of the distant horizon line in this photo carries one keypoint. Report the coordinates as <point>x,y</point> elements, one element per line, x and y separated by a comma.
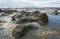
<point>29,7</point>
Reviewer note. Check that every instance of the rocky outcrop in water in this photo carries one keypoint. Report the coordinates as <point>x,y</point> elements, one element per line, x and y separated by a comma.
<point>43,17</point>
<point>25,24</point>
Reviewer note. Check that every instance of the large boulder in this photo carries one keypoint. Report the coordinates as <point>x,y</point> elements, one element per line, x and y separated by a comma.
<point>44,17</point>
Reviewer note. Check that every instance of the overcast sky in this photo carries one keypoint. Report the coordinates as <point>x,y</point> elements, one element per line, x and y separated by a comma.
<point>29,3</point>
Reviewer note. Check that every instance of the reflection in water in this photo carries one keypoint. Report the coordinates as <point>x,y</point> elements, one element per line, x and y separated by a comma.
<point>54,22</point>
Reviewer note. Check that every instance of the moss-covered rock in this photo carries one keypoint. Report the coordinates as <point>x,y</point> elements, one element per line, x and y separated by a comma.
<point>42,17</point>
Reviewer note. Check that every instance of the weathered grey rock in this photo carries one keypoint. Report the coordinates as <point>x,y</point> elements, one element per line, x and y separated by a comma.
<point>13,18</point>
<point>1,28</point>
<point>19,15</point>
<point>25,24</point>
<point>22,30</point>
<point>26,19</point>
<point>1,10</point>
<point>0,21</point>
<point>36,13</point>
<point>56,12</point>
<point>41,17</point>
<point>23,13</point>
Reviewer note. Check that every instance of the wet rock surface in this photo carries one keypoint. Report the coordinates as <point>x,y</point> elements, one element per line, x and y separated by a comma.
<point>21,31</point>
<point>43,17</point>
